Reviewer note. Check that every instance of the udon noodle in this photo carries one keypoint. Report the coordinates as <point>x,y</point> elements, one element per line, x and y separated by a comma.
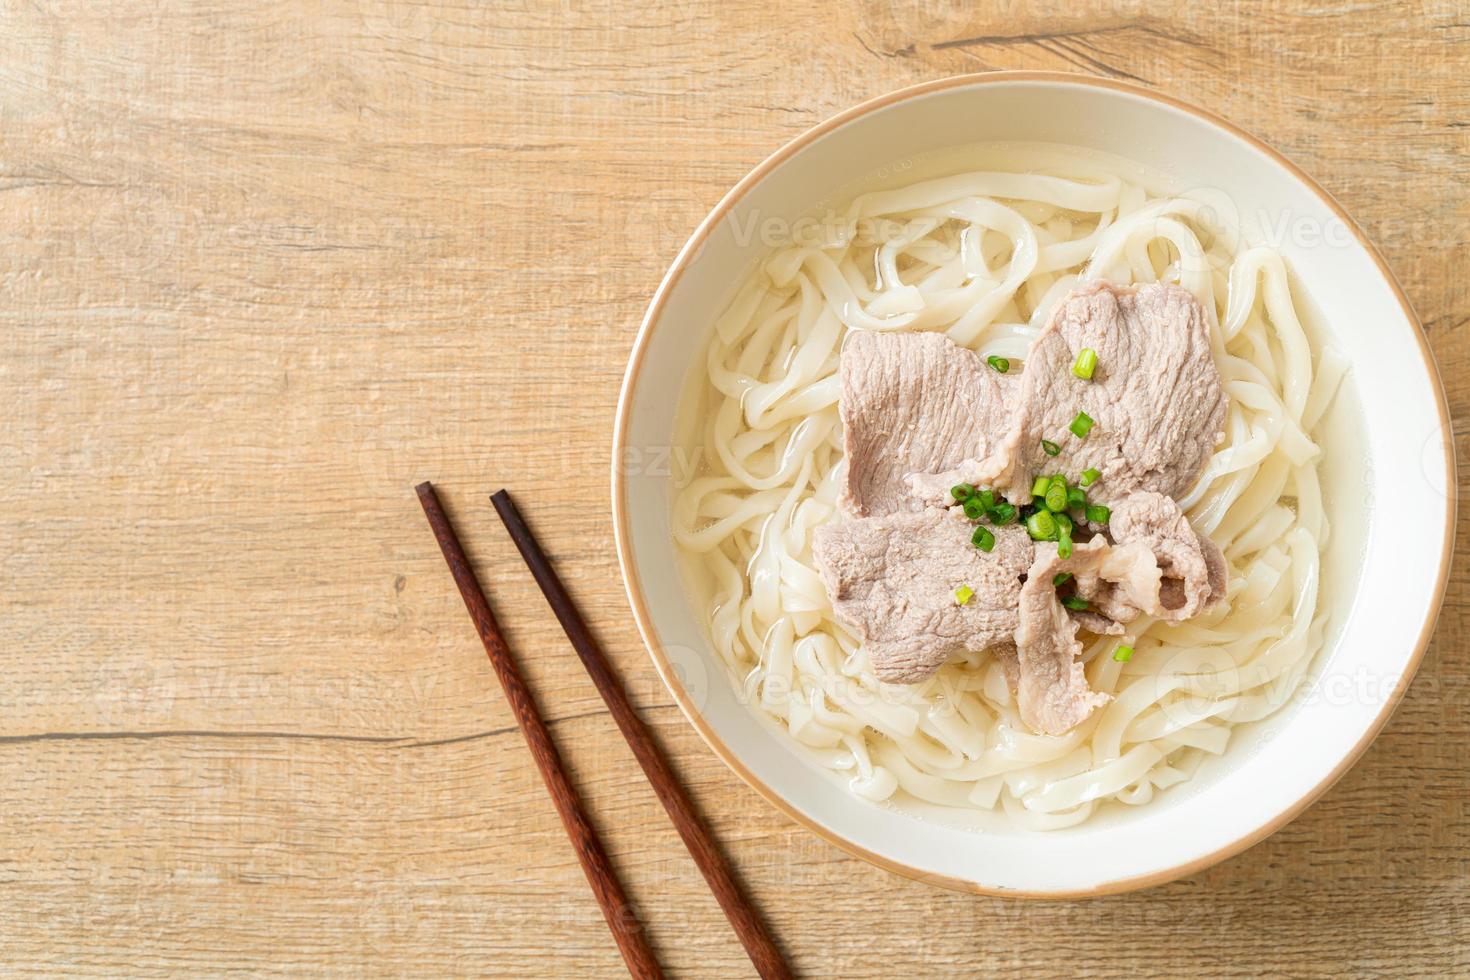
<point>984,255</point>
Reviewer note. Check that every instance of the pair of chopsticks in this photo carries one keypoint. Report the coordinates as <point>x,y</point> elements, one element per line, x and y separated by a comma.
<point>621,918</point>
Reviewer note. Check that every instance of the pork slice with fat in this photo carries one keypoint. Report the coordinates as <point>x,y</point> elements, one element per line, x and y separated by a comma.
<point>1192,568</point>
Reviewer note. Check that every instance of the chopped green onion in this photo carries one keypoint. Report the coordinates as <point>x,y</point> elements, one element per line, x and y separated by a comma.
<point>963,594</point>
<point>1002,513</point>
<point>999,363</point>
<point>1076,498</point>
<point>1041,526</point>
<point>1064,540</point>
<point>1050,448</point>
<point>1123,654</point>
<point>1063,521</point>
<point>986,498</point>
<point>1056,496</point>
<point>974,509</point>
<point>1038,488</point>
<point>962,492</point>
<point>1075,602</point>
<point>1081,425</point>
<point>1085,364</point>
<point>982,538</point>
<point>1061,578</point>
<point>1089,477</point>
<point>1098,514</point>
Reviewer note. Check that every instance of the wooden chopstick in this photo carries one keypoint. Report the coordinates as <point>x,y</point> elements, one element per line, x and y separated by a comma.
<point>620,915</point>
<point>702,847</point>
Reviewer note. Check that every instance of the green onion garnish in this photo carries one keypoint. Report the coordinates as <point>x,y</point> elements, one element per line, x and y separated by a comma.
<point>999,363</point>
<point>986,498</point>
<point>982,538</point>
<point>1089,477</point>
<point>1061,578</point>
<point>1064,540</point>
<point>1050,448</point>
<point>1063,520</point>
<point>1098,514</point>
<point>1002,513</point>
<point>962,492</point>
<point>1076,498</point>
<point>1075,602</point>
<point>974,509</point>
<point>1081,425</point>
<point>1123,654</point>
<point>1038,488</point>
<point>1041,526</point>
<point>1085,364</point>
<point>963,594</point>
<point>1056,496</point>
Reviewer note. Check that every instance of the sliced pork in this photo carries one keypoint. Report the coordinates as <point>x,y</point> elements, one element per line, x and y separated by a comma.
<point>922,415</point>
<point>1155,399</point>
<point>911,403</point>
<point>1191,567</point>
<point>1119,582</point>
<point>1158,566</point>
<point>1052,692</point>
<point>893,580</point>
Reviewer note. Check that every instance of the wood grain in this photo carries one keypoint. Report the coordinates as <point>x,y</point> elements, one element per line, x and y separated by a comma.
<point>622,918</point>
<point>263,268</point>
<point>767,959</point>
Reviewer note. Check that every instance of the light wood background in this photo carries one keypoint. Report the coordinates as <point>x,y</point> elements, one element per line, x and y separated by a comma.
<point>264,268</point>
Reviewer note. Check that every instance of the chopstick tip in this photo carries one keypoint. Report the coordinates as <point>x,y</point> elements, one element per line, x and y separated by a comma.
<point>506,509</point>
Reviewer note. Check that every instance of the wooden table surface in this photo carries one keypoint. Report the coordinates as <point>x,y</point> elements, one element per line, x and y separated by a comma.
<point>262,270</point>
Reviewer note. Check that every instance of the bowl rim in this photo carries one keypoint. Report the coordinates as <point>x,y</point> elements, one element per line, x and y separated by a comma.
<point>634,585</point>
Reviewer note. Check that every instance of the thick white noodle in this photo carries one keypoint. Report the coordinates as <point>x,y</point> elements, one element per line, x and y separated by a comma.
<point>984,256</point>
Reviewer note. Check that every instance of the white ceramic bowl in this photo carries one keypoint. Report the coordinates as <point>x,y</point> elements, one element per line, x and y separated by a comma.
<point>1386,440</point>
